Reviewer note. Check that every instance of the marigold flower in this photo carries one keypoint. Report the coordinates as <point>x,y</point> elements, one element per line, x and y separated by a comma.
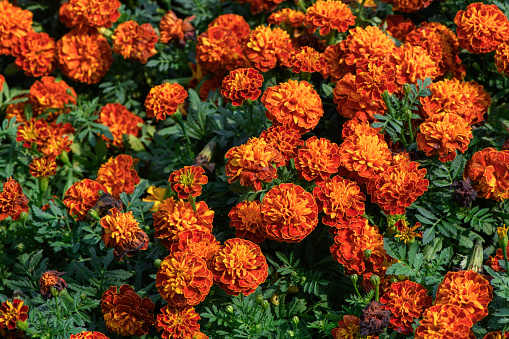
<point>242,84</point>
<point>253,162</point>
<point>35,54</point>
<point>120,121</point>
<point>408,6</point>
<point>502,58</point>
<point>84,56</point>
<point>488,170</point>
<point>43,167</point>
<point>341,200</point>
<point>412,63</point>
<point>493,261</point>
<point>235,23</point>
<point>406,300</point>
<point>10,312</point>
<point>201,243</point>
<point>357,126</point>
<point>375,77</point>
<point>47,94</point>
<point>286,140</point>
<point>239,267</point>
<point>12,30</point>
<point>179,322</point>
<point>88,335</point>
<point>374,319</point>
<point>163,100</point>
<point>481,28</point>
<point>55,145</point>
<point>327,15</point>
<point>82,14</point>
<point>246,217</point>
<point>33,131</point>
<point>260,6</point>
<point>496,335</point>
<point>287,16</point>
<point>174,217</point>
<point>407,233</point>
<point>135,42</point>
<point>294,104</point>
<point>306,59</point>
<point>398,27</point>
<point>289,213</point>
<point>266,46</point>
<point>351,103</point>
<point>81,197</point>
<point>317,160</point>
<point>188,181</point>
<point>351,245</point>
<point>444,321</point>
<point>348,328</point>
<point>173,29</point>
<point>118,175</point>
<point>443,134</point>
<point>183,279</point>
<point>335,65</point>
<point>156,195</point>
<point>12,200</point>
<point>125,312</point>
<point>51,279</point>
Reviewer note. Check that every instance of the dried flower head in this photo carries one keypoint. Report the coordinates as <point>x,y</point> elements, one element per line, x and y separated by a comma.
<point>12,30</point>
<point>163,100</point>
<point>408,6</point>
<point>285,139</point>
<point>291,17</point>
<point>106,203</point>
<point>188,181</point>
<point>317,160</point>
<point>173,29</point>
<point>246,217</point>
<point>82,196</point>
<point>348,328</point>
<point>328,15</point>
<point>488,170</point>
<point>444,321</point>
<point>11,312</point>
<point>242,84</point>
<point>463,193</point>
<point>49,96</point>
<point>35,54</point>
<point>88,335</point>
<point>235,23</point>
<point>118,175</point>
<point>43,167</point>
<point>266,47</point>
<point>83,14</point>
<point>181,322</point>
<point>51,279</point>
<point>374,319</point>
<point>120,121</point>
<point>135,42</point>
<point>12,200</point>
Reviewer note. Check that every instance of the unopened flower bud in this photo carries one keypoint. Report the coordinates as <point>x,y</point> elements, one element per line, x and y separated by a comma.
<point>295,320</point>
<point>54,291</point>
<point>23,217</point>
<point>407,89</point>
<point>502,237</point>
<point>265,304</point>
<point>158,262</point>
<point>354,278</point>
<point>291,334</point>
<point>375,280</point>
<point>93,214</point>
<point>229,309</point>
<point>475,262</point>
<point>367,254</point>
<point>259,299</point>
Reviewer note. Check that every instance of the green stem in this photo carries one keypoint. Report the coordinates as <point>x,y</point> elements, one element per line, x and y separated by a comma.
<point>58,307</point>
<point>192,200</point>
<point>386,99</point>
<point>377,293</point>
<point>330,38</point>
<point>357,290</point>
<point>361,9</point>
<point>177,117</point>
<point>506,262</point>
<point>409,116</point>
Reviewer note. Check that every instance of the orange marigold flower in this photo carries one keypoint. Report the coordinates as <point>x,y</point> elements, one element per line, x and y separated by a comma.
<point>200,243</point>
<point>306,59</point>
<point>317,160</point>
<point>33,131</point>
<point>88,335</point>
<point>183,279</point>
<point>358,126</point>
<point>259,6</point>
<point>350,246</point>
<point>493,261</point>
<point>239,267</point>
<point>374,78</point>
<point>35,54</point>
<point>444,321</point>
<point>81,197</point>
<point>408,6</point>
<point>51,279</point>
<point>12,200</point>
<point>188,181</point>
<point>443,134</point>
<point>351,103</point>
<point>502,58</point>
<point>294,104</point>
<point>412,63</point>
<point>242,84</point>
<point>407,233</point>
<point>327,15</point>
<point>163,100</point>
<point>173,29</point>
<point>121,231</point>
<point>55,145</point>
<point>286,140</point>
<point>82,14</point>
<point>2,81</point>
<point>179,322</point>
<point>406,300</point>
<point>235,23</point>
<point>246,217</point>
<point>287,16</point>
<point>348,328</point>
<point>47,94</point>
<point>135,42</point>
<point>481,28</point>
<point>266,46</point>
<point>10,312</point>
<point>488,170</point>
<point>335,65</point>
<point>174,217</point>
<point>253,162</point>
<point>289,213</point>
<point>125,312</point>
<point>118,175</point>
<point>468,290</point>
<point>496,335</point>
<point>14,24</point>
<point>120,121</point>
<point>156,195</point>
<point>341,200</point>
<point>398,27</point>
<point>43,167</point>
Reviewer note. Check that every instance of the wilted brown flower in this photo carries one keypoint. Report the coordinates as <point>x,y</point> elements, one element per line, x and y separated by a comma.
<point>51,279</point>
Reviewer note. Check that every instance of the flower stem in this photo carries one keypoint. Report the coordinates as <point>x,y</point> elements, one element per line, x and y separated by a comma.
<point>177,117</point>
<point>192,200</point>
<point>506,262</point>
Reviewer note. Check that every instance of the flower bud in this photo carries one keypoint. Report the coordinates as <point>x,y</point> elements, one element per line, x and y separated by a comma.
<point>93,214</point>
<point>229,309</point>
<point>375,280</point>
<point>367,254</point>
<point>259,299</point>
<point>295,320</point>
<point>23,217</point>
<point>158,262</point>
<point>407,89</point>
<point>265,304</point>
<point>354,278</point>
<point>290,334</point>
<point>475,262</point>
<point>502,237</point>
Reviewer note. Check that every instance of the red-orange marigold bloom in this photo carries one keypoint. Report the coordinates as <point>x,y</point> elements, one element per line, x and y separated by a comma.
<point>443,134</point>
<point>163,100</point>
<point>242,84</point>
<point>89,13</point>
<point>253,162</point>
<point>286,140</point>
<point>493,261</point>
<point>318,159</point>
<point>496,335</point>
<point>444,321</point>
<point>335,65</point>
<point>181,322</point>
<point>350,244</point>
<point>246,217</point>
<point>374,78</point>
<point>408,6</point>
<point>84,56</point>
<point>118,175</point>
<point>287,16</point>
<point>48,94</point>
<point>289,213</point>
<point>307,60</point>
<point>341,200</point>
<point>406,300</point>
<point>266,46</point>
<point>35,54</point>
<point>239,267</point>
<point>481,28</point>
<point>33,131</point>
<point>88,335</point>
<point>173,29</point>
<point>327,15</point>
<point>412,63</point>
<point>125,312</point>
<point>398,27</point>
<point>51,279</point>
<point>2,81</point>
<point>55,145</point>
<point>294,104</point>
<point>174,217</point>
<point>406,233</point>
<point>468,290</point>
<point>259,6</point>
<point>82,196</point>
<point>10,312</point>
<point>488,170</point>
<point>358,126</point>
<point>183,279</point>
<point>12,200</point>
<point>121,231</point>
<point>235,23</point>
<point>120,121</point>
<point>135,42</point>
<point>502,58</point>
<point>200,243</point>
<point>14,24</point>
<point>351,103</point>
<point>348,328</point>
<point>43,167</point>
<point>188,181</point>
